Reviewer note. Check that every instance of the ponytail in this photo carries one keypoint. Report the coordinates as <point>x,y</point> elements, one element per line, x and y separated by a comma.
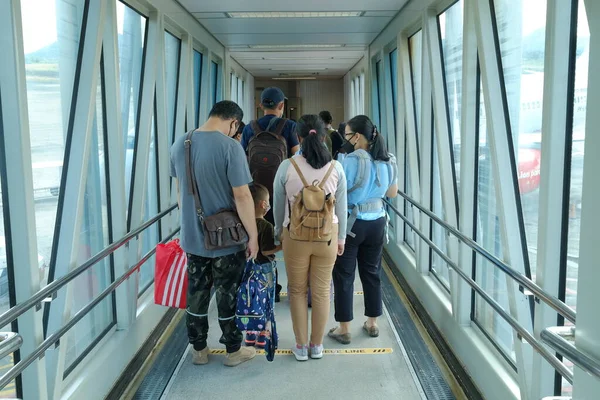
<point>363,125</point>
<point>312,131</point>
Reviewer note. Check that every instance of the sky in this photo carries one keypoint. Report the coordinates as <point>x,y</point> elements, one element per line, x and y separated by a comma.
<point>39,22</point>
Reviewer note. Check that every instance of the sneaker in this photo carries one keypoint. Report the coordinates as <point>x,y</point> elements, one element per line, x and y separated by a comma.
<point>240,356</point>
<point>250,338</point>
<point>316,351</point>
<point>200,357</point>
<point>300,352</point>
<point>261,340</point>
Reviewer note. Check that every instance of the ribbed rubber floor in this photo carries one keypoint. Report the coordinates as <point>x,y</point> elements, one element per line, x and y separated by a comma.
<point>156,380</point>
<point>428,372</point>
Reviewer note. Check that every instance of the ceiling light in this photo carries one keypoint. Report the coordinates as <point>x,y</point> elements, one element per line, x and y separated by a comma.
<point>296,46</point>
<point>297,78</point>
<point>310,14</point>
<point>298,69</point>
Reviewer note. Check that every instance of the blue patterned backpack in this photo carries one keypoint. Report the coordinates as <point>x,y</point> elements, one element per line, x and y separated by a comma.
<point>252,299</point>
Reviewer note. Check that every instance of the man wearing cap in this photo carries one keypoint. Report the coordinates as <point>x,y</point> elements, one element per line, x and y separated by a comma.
<point>272,102</point>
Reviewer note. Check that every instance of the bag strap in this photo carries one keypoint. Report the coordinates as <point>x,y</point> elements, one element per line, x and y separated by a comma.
<point>324,180</point>
<point>255,127</point>
<point>299,172</point>
<point>191,178</point>
<point>362,167</point>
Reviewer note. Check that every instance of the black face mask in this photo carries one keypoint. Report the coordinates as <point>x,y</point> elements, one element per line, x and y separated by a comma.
<point>347,147</point>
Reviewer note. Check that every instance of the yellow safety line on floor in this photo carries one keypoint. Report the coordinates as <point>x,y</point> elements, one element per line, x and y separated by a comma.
<point>286,352</point>
<point>359,293</point>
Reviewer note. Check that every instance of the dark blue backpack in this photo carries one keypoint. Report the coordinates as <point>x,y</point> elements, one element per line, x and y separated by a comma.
<point>254,306</point>
<point>252,298</point>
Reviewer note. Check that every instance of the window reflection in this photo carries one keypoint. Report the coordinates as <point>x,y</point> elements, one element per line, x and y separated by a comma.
<point>131,28</point>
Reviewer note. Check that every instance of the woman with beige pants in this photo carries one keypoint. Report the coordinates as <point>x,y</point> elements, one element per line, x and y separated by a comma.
<point>306,260</point>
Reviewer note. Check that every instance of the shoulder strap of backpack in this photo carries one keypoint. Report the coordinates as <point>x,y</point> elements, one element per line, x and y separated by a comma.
<point>255,127</point>
<point>362,168</point>
<point>299,172</point>
<point>280,126</point>
<point>324,180</point>
<point>191,178</point>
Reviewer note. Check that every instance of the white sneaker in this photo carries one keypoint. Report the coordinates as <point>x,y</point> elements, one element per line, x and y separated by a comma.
<point>316,351</point>
<point>300,352</point>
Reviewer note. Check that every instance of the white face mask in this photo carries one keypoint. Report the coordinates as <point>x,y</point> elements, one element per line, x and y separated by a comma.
<point>267,208</point>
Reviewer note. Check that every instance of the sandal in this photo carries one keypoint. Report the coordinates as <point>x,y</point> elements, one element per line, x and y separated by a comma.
<point>343,338</point>
<point>373,331</point>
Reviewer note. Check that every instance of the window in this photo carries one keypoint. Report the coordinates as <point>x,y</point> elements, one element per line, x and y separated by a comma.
<point>233,87</point>
<point>150,237</point>
<point>131,28</point>
<point>439,267</point>
<point>392,135</point>
<point>378,96</point>
<point>240,93</point>
<point>172,49</point>
<point>409,235</point>
<point>451,36</point>
<point>197,84</point>
<point>569,287</point>
<point>361,98</point>
<point>522,32</point>
<point>93,237</point>
<point>51,43</point>
<point>6,280</point>
<point>415,43</point>
<point>488,235</point>
<point>214,81</point>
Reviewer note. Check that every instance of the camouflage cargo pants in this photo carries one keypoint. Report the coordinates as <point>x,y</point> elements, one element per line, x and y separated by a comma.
<point>225,273</point>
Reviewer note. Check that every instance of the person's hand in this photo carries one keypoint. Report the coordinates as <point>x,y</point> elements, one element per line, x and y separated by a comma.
<point>252,249</point>
<point>341,247</point>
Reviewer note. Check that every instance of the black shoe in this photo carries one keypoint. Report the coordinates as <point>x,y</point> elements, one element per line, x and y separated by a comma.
<point>277,291</point>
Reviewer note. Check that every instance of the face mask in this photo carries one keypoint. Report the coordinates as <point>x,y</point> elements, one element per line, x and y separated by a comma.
<point>267,208</point>
<point>347,147</point>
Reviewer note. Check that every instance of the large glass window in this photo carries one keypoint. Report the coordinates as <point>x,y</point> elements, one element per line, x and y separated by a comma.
<point>488,235</point>
<point>131,28</point>
<point>214,70</point>
<point>576,182</point>
<point>93,237</point>
<point>172,49</point>
<point>409,235</point>
<point>197,84</point>
<point>234,81</point>
<point>415,43</point>
<point>522,33</point>
<point>51,32</point>
<point>439,267</point>
<point>451,36</point>
<point>9,390</point>
<point>392,135</point>
<point>378,97</point>
<point>151,206</point>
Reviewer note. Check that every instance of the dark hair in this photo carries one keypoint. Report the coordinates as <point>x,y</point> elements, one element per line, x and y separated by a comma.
<point>240,128</point>
<point>259,192</point>
<point>313,149</point>
<point>326,117</point>
<point>342,128</point>
<point>227,109</point>
<point>363,125</point>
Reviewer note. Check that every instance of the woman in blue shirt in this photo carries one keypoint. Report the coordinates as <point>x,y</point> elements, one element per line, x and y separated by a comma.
<point>371,176</point>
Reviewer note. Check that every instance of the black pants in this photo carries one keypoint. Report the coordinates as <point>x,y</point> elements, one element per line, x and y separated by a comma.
<point>225,273</point>
<point>366,247</point>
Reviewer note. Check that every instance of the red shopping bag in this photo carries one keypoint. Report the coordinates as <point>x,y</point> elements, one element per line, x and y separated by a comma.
<point>170,275</point>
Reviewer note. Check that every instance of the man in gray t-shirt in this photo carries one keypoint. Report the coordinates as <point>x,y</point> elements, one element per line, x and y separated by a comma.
<point>222,177</point>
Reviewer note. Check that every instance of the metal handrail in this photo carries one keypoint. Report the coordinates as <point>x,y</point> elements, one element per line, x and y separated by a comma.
<point>9,343</point>
<point>549,299</point>
<point>19,367</point>
<point>557,338</point>
<point>524,333</point>
<point>53,287</point>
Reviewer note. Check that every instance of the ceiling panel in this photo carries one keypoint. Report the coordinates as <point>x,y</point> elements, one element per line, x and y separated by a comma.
<point>295,25</point>
<point>239,39</point>
<point>350,35</point>
<point>291,5</point>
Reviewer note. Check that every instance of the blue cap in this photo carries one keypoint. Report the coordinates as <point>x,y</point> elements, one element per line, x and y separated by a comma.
<point>271,96</point>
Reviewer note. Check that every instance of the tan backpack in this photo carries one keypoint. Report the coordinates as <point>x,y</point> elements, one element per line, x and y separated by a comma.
<point>311,215</point>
